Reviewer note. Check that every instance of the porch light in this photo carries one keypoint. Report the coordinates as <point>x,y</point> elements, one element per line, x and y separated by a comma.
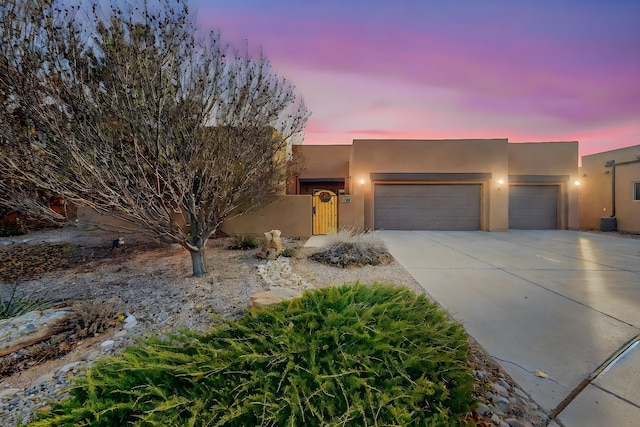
<point>501,181</point>
<point>577,182</point>
<point>362,182</point>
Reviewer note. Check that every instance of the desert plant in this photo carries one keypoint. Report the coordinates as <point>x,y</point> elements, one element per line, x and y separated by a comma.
<point>288,252</point>
<point>11,231</point>
<point>244,242</point>
<point>349,247</point>
<point>352,355</point>
<point>13,303</point>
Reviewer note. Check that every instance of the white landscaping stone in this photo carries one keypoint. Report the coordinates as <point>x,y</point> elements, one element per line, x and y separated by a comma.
<point>41,380</point>
<point>107,343</point>
<point>130,322</point>
<point>120,334</point>
<point>66,368</point>
<point>9,392</point>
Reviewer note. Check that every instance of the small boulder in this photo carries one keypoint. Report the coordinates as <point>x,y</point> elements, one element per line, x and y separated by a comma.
<point>273,297</point>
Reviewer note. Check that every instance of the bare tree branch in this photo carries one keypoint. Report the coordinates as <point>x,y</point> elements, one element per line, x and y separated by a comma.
<point>147,117</point>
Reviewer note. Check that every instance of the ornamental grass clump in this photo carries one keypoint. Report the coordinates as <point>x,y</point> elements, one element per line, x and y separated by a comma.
<point>353,355</point>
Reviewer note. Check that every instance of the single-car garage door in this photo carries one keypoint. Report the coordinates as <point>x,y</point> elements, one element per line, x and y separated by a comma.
<point>533,207</point>
<point>427,206</point>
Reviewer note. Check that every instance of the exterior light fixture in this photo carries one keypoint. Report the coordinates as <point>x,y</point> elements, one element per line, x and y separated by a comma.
<point>362,182</point>
<point>501,181</point>
<point>577,182</point>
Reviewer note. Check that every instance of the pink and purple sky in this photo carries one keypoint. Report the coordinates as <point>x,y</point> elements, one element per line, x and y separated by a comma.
<point>544,70</point>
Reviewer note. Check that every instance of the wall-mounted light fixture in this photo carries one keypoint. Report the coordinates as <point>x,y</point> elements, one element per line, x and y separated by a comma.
<point>362,182</point>
<point>576,182</point>
<point>501,181</point>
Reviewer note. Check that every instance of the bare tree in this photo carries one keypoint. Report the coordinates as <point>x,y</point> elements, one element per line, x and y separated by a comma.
<point>21,66</point>
<point>169,128</point>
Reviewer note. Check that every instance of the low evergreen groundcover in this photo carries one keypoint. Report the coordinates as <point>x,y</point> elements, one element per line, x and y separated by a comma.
<point>353,355</point>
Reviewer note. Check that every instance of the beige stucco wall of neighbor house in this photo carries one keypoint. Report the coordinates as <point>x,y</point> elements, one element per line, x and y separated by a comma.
<point>290,214</point>
<point>89,220</point>
<point>596,191</point>
<point>550,163</point>
<point>324,161</point>
<point>351,211</point>
<point>470,156</point>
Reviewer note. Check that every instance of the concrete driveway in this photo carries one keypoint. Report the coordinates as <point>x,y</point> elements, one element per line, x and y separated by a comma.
<point>563,303</point>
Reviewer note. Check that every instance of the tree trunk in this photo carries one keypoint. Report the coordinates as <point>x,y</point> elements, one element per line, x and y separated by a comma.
<point>198,262</point>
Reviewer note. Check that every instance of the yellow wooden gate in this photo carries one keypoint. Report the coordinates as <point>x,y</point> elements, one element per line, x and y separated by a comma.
<point>325,212</point>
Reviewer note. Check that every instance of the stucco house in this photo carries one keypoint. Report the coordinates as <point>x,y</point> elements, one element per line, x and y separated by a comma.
<point>611,189</point>
<point>457,184</point>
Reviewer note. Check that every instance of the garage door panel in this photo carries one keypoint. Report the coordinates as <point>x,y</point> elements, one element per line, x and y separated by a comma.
<point>427,206</point>
<point>533,207</point>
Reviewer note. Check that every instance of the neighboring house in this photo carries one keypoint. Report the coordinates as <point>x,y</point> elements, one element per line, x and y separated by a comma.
<point>611,188</point>
<point>470,184</point>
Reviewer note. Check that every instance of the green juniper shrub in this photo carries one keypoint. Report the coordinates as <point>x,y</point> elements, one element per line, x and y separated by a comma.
<point>353,355</point>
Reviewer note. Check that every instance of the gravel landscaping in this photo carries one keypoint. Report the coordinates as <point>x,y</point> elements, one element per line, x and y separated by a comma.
<point>149,285</point>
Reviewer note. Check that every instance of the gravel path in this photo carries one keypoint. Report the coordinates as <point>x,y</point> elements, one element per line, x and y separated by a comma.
<point>151,286</point>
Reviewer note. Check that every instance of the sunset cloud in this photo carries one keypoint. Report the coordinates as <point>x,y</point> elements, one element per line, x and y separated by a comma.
<point>531,71</point>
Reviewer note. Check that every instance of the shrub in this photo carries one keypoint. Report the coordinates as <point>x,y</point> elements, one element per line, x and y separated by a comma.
<point>288,252</point>
<point>11,231</point>
<point>348,248</point>
<point>244,242</point>
<point>352,355</point>
<point>14,304</point>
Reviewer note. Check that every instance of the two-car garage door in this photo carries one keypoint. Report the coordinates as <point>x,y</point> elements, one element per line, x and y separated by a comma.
<point>427,206</point>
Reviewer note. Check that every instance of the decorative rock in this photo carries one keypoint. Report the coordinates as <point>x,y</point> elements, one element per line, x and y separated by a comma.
<point>43,379</point>
<point>107,343</point>
<point>504,424</point>
<point>30,328</point>
<point>504,384</point>
<point>130,322</point>
<point>512,422</point>
<point>492,397</point>
<point>8,393</point>
<point>271,245</point>
<point>500,389</point>
<point>521,393</point>
<point>120,334</point>
<point>90,356</point>
<point>478,374</point>
<point>544,417</point>
<point>273,297</point>
<point>482,409</point>
<point>495,418</point>
<point>66,368</point>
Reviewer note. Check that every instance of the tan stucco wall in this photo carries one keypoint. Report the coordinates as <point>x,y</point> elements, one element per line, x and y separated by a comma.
<point>289,214</point>
<point>351,214</point>
<point>551,159</point>
<point>435,156</point>
<point>596,189</point>
<point>324,161</point>
<point>89,220</point>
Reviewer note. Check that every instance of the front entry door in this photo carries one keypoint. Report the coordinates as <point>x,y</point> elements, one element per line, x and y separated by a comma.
<point>325,212</point>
